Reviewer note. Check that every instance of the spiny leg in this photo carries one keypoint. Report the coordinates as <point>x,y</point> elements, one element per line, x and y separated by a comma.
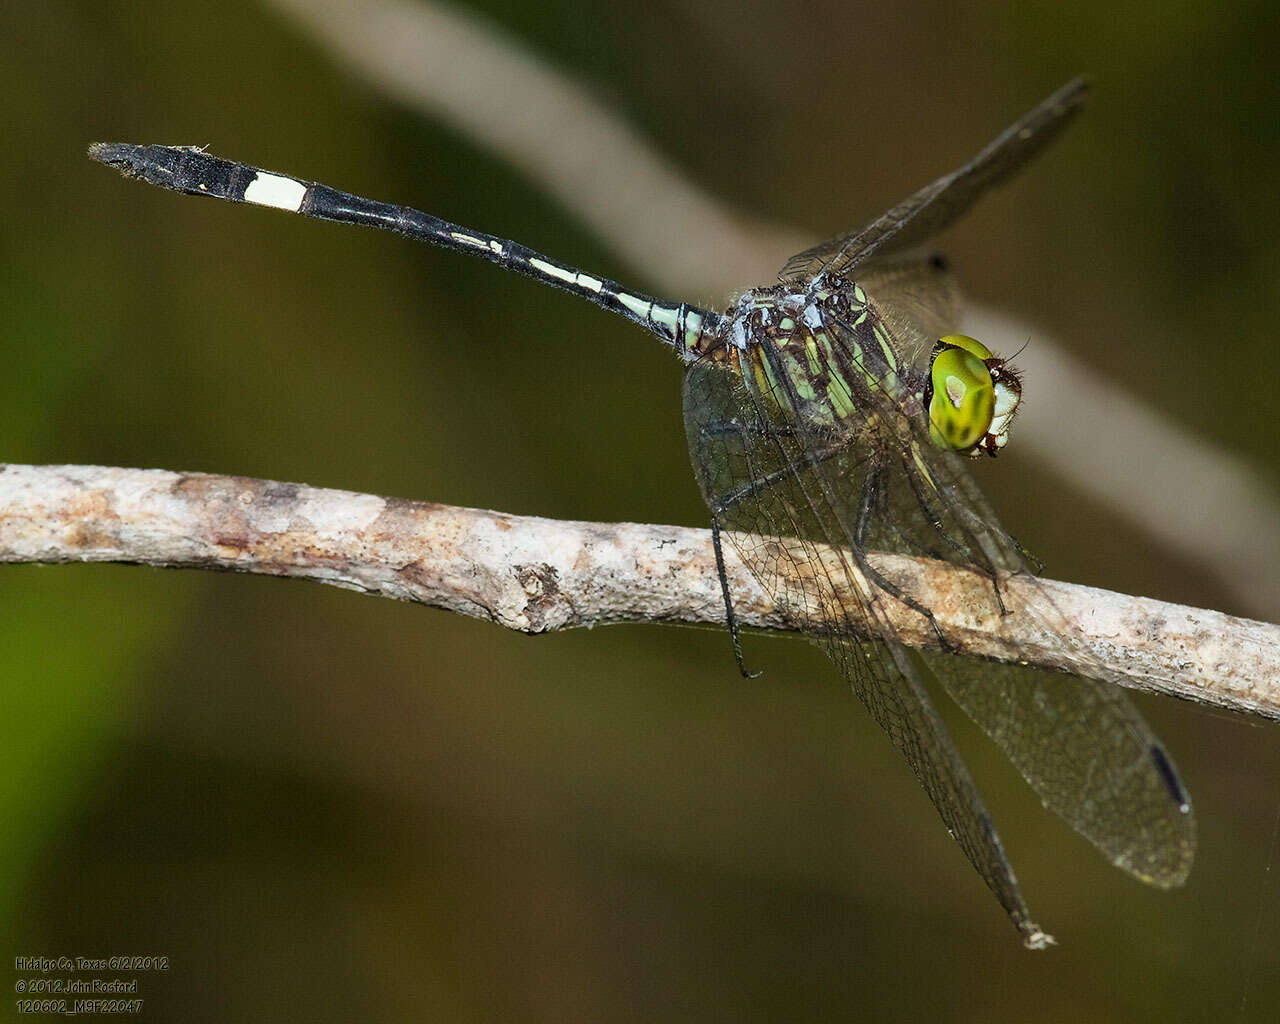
<point>867,504</point>
<point>920,489</point>
<point>754,487</point>
<point>921,486</point>
<point>731,617</point>
<point>907,542</point>
<point>750,489</point>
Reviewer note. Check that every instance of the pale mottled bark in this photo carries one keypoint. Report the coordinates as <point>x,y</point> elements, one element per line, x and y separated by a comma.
<point>537,575</point>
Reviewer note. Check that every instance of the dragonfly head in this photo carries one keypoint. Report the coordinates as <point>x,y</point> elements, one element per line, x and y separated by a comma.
<point>971,396</point>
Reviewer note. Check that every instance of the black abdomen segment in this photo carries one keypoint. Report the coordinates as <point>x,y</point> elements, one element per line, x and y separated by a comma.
<point>195,172</point>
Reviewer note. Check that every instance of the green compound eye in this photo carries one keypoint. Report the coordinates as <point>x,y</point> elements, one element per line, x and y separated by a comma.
<point>963,400</point>
<point>971,345</point>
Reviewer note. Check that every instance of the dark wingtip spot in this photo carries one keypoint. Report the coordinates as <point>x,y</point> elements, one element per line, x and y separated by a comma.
<point>1170,778</point>
<point>939,261</point>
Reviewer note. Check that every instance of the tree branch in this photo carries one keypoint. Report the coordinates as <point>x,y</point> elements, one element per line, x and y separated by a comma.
<point>537,575</point>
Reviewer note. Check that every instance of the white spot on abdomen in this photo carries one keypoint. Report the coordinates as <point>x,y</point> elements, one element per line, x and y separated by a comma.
<point>274,190</point>
<point>551,270</point>
<point>640,307</point>
<point>568,276</point>
<point>667,316</point>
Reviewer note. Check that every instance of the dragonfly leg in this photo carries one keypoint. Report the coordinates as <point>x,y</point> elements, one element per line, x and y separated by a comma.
<point>912,543</point>
<point>973,554</point>
<point>752,488</point>
<point>731,617</point>
<point>870,496</point>
<point>935,519</point>
<point>727,503</point>
<point>727,428</point>
<point>1035,565</point>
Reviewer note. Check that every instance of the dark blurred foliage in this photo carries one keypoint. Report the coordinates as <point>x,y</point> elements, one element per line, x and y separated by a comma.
<point>325,807</point>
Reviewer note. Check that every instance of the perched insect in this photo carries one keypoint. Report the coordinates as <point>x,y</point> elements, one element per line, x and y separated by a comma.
<point>829,416</point>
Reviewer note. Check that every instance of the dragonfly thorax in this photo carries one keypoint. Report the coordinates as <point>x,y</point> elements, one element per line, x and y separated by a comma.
<point>823,354</point>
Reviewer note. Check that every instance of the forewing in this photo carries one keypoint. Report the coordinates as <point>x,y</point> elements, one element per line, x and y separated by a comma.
<point>1079,742</point>
<point>795,534</point>
<point>936,206</point>
<point>917,297</point>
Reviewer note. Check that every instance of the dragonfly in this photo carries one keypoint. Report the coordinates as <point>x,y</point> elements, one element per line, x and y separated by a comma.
<point>830,416</point>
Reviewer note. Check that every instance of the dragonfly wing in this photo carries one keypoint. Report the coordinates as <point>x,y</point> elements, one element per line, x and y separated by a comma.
<point>808,477</point>
<point>917,297</point>
<point>1090,757</point>
<point>936,206</point>
<point>1079,742</point>
<point>787,493</point>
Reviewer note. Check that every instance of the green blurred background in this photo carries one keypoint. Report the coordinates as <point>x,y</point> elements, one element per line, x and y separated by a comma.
<point>325,807</point>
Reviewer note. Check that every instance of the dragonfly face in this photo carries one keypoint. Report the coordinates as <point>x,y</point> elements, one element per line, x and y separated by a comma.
<point>971,396</point>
